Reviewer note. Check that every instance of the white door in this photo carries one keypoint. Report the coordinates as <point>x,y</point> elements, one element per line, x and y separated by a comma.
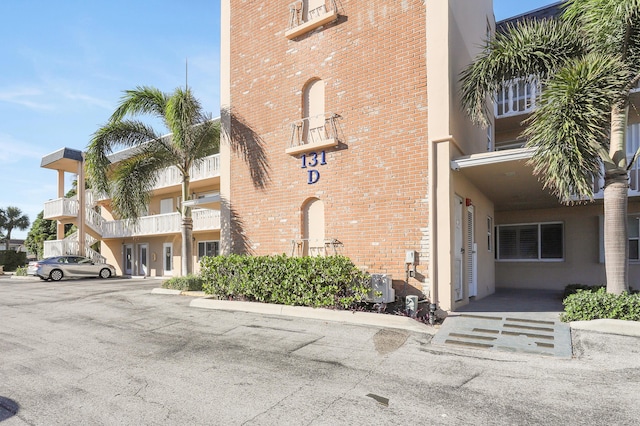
<point>458,251</point>
<point>128,259</point>
<point>143,259</point>
<point>167,256</point>
<point>471,251</point>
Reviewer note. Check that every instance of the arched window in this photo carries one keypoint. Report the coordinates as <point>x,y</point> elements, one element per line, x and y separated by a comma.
<point>313,112</point>
<point>313,227</point>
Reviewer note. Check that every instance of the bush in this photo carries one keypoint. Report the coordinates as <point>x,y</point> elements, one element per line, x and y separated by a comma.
<point>586,305</point>
<point>21,271</point>
<point>573,288</point>
<point>188,283</point>
<point>12,259</point>
<point>332,281</point>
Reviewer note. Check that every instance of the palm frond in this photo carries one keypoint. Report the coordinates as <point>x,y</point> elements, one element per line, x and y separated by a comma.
<point>142,100</point>
<point>133,179</point>
<point>569,130</point>
<point>108,138</point>
<point>529,48</point>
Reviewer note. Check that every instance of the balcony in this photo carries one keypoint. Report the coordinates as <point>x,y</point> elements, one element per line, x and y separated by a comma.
<point>161,224</point>
<point>208,168</point>
<point>313,133</point>
<point>516,97</point>
<point>307,15</point>
<point>61,208</point>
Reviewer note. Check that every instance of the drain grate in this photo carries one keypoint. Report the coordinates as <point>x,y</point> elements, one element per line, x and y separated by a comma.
<point>506,334</point>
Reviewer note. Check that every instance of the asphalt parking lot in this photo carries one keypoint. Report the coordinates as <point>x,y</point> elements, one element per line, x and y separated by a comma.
<point>110,352</point>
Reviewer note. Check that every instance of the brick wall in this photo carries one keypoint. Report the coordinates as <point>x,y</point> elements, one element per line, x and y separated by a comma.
<point>374,185</point>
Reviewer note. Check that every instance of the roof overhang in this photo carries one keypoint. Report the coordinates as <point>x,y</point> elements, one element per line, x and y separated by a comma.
<point>506,178</point>
<point>66,159</point>
<point>211,202</point>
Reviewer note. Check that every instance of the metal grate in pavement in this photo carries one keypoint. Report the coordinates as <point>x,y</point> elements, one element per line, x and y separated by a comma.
<point>506,333</point>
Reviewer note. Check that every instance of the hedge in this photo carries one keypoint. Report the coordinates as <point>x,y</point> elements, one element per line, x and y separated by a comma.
<point>586,305</point>
<point>188,283</point>
<point>331,281</point>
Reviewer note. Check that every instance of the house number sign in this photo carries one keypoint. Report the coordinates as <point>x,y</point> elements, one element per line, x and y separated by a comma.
<point>310,161</point>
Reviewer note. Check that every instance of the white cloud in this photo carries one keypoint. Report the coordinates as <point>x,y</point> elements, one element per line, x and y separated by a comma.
<point>13,150</point>
<point>24,96</point>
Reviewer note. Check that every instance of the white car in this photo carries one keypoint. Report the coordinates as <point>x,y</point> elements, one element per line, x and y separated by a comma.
<point>57,267</point>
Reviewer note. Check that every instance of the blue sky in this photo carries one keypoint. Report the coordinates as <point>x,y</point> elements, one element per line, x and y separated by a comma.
<point>64,65</point>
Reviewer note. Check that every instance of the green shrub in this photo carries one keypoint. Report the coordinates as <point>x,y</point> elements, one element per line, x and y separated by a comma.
<point>188,283</point>
<point>332,281</point>
<point>573,288</point>
<point>21,271</point>
<point>12,259</point>
<point>585,305</point>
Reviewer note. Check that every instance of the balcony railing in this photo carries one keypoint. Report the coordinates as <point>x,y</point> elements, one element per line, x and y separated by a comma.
<point>208,168</point>
<point>306,15</point>
<point>61,207</point>
<point>71,247</point>
<point>517,96</point>
<point>313,132</point>
<point>314,247</point>
<point>169,223</point>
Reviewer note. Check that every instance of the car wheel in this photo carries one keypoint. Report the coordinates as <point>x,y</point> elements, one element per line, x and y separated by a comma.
<point>105,273</point>
<point>56,275</point>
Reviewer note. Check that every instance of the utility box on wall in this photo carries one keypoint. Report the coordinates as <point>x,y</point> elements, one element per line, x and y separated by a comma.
<point>381,289</point>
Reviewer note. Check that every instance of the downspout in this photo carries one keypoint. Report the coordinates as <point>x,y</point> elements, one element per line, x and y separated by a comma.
<point>433,233</point>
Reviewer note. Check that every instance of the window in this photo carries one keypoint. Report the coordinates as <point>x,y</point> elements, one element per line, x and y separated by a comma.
<point>208,248</point>
<point>538,241</point>
<point>633,224</point>
<point>166,206</point>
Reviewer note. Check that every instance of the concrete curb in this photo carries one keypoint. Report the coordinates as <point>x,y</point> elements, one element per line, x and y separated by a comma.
<point>159,290</point>
<point>359,318</point>
<point>610,326</point>
<point>165,291</point>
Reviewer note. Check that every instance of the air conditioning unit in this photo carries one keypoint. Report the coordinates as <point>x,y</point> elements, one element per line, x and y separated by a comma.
<point>381,289</point>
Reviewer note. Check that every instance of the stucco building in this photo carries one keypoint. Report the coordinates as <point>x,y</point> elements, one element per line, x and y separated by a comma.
<point>344,133</point>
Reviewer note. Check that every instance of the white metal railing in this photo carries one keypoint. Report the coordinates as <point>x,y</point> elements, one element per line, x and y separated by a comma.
<point>209,167</point>
<point>313,129</point>
<point>61,207</point>
<point>71,247</point>
<point>301,11</point>
<point>517,96</point>
<point>169,223</point>
<point>314,247</point>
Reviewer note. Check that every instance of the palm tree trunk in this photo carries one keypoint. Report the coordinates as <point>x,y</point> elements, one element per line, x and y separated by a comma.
<point>187,229</point>
<point>616,240</point>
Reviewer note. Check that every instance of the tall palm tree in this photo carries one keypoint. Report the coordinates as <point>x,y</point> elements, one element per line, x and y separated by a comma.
<point>193,136</point>
<point>588,61</point>
<point>10,219</point>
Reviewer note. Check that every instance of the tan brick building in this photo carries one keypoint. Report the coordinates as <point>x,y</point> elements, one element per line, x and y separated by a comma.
<point>332,101</point>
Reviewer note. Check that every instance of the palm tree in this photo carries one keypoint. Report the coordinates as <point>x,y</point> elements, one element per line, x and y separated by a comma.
<point>10,219</point>
<point>587,61</point>
<point>193,136</point>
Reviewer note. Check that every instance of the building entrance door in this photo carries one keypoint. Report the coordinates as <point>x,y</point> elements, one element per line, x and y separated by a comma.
<point>143,259</point>
<point>472,254</point>
<point>128,259</point>
<point>458,251</point>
